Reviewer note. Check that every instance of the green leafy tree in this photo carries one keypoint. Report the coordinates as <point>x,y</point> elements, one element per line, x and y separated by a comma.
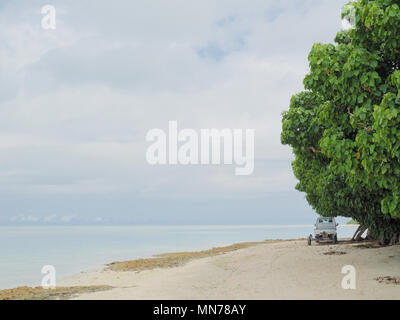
<point>345,127</point>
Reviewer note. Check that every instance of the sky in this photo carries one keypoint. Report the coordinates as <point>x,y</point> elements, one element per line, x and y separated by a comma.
<point>76,104</point>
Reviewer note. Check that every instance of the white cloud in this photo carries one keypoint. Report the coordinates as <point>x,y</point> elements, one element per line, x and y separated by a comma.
<point>29,218</point>
<point>67,218</point>
<point>50,218</point>
<point>78,101</point>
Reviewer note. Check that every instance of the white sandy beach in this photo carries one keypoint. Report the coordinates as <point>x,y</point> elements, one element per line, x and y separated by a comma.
<point>276,270</point>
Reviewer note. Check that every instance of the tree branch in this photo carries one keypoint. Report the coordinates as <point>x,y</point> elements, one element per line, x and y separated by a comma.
<point>368,129</point>
<point>314,150</point>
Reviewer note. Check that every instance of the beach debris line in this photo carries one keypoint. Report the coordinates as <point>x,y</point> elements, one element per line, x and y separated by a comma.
<point>40,293</point>
<point>371,245</point>
<point>334,253</point>
<point>167,260</point>
<point>388,280</point>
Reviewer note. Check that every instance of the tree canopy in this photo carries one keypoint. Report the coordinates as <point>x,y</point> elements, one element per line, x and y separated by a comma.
<point>344,129</point>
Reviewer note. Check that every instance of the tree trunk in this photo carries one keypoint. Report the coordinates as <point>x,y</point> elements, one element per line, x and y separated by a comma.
<point>355,233</point>
<point>389,242</point>
<point>394,240</point>
<point>358,234</point>
<point>369,236</point>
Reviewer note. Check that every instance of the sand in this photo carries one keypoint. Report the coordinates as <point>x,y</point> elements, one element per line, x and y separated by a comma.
<point>266,270</point>
<point>176,258</point>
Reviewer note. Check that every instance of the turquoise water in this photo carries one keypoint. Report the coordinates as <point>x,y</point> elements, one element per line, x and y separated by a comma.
<point>25,250</point>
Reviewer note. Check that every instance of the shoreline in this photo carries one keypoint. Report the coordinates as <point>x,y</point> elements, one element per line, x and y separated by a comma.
<point>270,269</point>
<point>160,260</point>
<point>104,244</point>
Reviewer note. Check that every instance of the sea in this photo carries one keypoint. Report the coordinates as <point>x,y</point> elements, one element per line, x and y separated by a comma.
<point>25,250</point>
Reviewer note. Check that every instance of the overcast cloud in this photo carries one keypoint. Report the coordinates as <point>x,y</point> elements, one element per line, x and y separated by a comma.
<point>76,104</point>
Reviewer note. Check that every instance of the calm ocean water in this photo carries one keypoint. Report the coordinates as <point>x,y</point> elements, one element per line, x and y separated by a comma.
<point>25,250</point>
